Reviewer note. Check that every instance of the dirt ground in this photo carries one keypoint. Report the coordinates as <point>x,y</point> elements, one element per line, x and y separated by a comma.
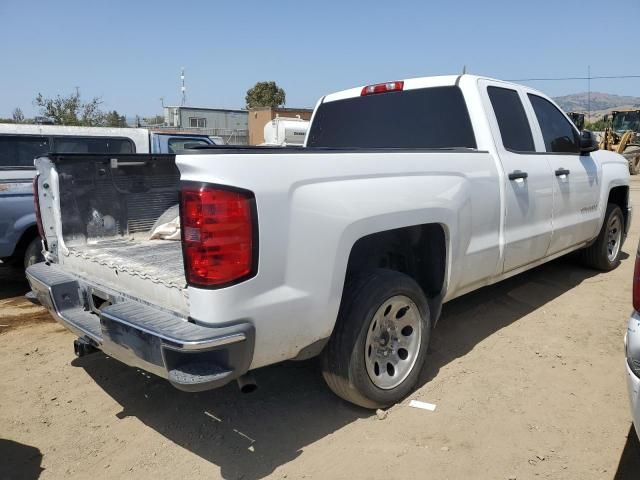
<point>527,375</point>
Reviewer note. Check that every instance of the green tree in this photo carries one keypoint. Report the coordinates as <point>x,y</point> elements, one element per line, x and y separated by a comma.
<point>71,110</point>
<point>18,116</point>
<point>155,120</point>
<point>597,126</point>
<point>265,94</point>
<point>114,119</point>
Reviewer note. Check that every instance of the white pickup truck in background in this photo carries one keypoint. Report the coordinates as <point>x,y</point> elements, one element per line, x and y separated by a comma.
<point>408,194</point>
<point>19,144</point>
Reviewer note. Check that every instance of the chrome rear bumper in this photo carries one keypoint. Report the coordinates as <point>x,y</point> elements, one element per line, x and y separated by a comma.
<point>192,357</point>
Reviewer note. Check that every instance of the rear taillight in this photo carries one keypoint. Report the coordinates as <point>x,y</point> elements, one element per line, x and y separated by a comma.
<point>36,206</point>
<point>636,283</point>
<point>219,238</point>
<point>382,88</point>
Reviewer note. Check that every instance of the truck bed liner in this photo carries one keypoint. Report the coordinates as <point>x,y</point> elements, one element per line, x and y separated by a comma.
<point>157,260</point>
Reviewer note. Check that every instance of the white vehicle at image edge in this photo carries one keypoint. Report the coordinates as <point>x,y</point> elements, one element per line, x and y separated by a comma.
<point>632,348</point>
<point>407,194</point>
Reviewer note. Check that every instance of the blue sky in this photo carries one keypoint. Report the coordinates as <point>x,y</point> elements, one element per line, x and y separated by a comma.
<point>130,52</point>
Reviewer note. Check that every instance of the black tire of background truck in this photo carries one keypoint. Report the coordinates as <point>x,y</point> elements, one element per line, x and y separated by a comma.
<point>33,252</point>
<point>596,255</point>
<point>343,359</point>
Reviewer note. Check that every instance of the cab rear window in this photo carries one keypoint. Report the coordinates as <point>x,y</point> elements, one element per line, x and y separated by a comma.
<point>19,151</point>
<point>69,144</point>
<point>424,118</point>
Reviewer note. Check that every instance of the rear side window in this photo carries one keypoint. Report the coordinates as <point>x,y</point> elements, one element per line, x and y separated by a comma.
<point>512,119</point>
<point>92,145</point>
<point>20,151</point>
<point>558,133</point>
<point>175,144</point>
<point>424,118</point>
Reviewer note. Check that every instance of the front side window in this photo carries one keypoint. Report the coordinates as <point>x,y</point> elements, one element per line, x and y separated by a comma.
<point>197,122</point>
<point>512,119</point>
<point>92,145</point>
<point>434,117</point>
<point>20,151</point>
<point>558,133</point>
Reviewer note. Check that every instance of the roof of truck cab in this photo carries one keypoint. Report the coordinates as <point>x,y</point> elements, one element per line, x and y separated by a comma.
<point>139,136</point>
<point>34,129</point>
<point>412,84</point>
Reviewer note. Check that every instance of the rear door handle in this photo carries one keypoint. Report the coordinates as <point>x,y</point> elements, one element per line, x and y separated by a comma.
<point>517,174</point>
<point>562,171</point>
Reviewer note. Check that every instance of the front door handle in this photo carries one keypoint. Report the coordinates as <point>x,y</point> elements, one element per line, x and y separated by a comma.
<point>562,171</point>
<point>517,174</point>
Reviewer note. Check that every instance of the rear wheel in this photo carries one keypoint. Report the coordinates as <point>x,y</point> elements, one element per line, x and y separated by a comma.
<point>380,340</point>
<point>33,253</point>
<point>604,253</point>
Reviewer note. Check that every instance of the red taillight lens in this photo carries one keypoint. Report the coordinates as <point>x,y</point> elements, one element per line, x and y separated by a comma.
<point>218,238</point>
<point>36,206</point>
<point>636,284</point>
<point>382,88</point>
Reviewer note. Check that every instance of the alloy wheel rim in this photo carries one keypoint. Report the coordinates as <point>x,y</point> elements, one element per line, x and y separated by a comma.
<point>614,237</point>
<point>393,342</point>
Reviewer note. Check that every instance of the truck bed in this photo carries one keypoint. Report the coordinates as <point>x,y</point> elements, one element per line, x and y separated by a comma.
<point>147,270</point>
<point>107,209</point>
<point>157,260</point>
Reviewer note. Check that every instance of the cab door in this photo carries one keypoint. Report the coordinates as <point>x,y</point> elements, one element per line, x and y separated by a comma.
<point>16,187</point>
<point>576,177</point>
<point>528,189</point>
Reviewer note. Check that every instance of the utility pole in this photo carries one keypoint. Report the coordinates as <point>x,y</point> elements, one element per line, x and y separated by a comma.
<point>183,89</point>
<point>589,93</point>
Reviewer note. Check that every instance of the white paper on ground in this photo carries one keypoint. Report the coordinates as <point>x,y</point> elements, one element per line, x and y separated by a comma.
<point>423,405</point>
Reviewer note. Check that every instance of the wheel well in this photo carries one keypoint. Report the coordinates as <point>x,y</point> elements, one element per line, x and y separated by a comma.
<point>418,251</point>
<point>620,196</point>
<point>29,234</point>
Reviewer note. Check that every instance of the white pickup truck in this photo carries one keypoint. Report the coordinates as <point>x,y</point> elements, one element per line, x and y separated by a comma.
<point>407,195</point>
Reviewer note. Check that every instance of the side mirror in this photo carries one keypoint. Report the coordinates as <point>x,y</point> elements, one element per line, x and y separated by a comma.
<point>588,142</point>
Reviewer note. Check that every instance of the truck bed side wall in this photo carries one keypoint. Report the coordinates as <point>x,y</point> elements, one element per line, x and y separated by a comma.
<point>313,207</point>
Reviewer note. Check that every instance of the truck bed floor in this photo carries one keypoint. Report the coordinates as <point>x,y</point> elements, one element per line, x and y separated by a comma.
<point>157,260</point>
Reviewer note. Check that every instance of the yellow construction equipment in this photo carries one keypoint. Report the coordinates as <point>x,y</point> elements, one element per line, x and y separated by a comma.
<point>577,119</point>
<point>622,135</point>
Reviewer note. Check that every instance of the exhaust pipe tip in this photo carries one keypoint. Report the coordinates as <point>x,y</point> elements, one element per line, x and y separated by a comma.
<point>246,383</point>
<point>82,348</point>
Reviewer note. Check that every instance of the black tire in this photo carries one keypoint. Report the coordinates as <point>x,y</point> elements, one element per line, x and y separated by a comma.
<point>343,360</point>
<point>597,254</point>
<point>33,252</point>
